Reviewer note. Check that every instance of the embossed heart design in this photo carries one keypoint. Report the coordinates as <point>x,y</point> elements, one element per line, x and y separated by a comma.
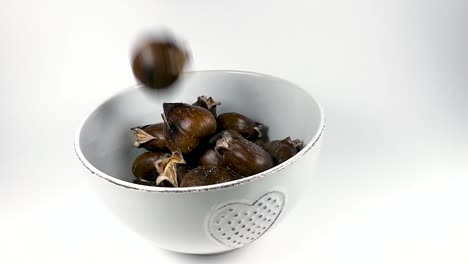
<point>238,224</point>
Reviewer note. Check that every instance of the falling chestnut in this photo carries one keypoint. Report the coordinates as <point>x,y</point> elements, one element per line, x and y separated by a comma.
<point>243,156</point>
<point>158,62</point>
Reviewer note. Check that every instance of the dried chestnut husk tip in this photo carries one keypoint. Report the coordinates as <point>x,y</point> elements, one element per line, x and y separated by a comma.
<point>207,175</point>
<point>242,124</point>
<point>167,169</point>
<point>187,125</point>
<point>150,137</point>
<point>143,166</point>
<point>282,150</point>
<point>216,137</point>
<point>208,103</point>
<point>158,62</point>
<point>243,156</point>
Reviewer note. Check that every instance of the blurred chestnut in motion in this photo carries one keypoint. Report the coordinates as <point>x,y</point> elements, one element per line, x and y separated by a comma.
<point>243,156</point>
<point>207,175</point>
<point>158,62</point>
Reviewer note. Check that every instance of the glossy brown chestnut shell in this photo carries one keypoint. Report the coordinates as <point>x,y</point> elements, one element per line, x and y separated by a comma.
<point>212,158</point>
<point>158,63</point>
<point>282,150</point>
<point>150,137</point>
<point>143,166</point>
<point>187,125</point>
<point>207,175</point>
<point>243,156</point>
<point>248,128</point>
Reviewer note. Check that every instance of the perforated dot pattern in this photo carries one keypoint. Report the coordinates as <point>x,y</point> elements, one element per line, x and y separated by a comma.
<point>238,224</point>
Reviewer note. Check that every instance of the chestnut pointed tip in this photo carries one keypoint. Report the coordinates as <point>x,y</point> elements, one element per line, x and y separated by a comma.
<point>298,144</point>
<point>177,155</point>
<point>167,168</point>
<point>259,127</point>
<point>159,165</point>
<point>208,100</point>
<point>141,137</point>
<point>223,143</point>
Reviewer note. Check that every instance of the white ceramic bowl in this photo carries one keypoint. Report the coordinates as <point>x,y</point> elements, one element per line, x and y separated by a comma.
<point>207,219</point>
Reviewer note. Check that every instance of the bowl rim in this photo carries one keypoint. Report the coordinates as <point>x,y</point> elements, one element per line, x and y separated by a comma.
<point>134,186</point>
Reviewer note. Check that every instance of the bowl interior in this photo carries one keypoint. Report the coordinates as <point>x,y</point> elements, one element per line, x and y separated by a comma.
<point>105,139</point>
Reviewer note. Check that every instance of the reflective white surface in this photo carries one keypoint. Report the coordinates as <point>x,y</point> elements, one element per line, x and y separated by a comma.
<point>392,76</point>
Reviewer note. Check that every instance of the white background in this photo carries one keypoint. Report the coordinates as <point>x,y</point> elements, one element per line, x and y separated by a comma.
<point>392,76</point>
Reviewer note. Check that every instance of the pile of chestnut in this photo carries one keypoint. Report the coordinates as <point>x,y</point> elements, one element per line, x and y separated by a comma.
<point>194,146</point>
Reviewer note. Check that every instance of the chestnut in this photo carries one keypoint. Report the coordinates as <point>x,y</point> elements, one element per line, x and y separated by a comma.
<point>212,158</point>
<point>143,166</point>
<point>150,137</point>
<point>182,170</point>
<point>260,142</point>
<point>243,156</point>
<point>207,175</point>
<point>186,126</point>
<point>282,150</point>
<point>193,157</point>
<point>242,124</point>
<point>157,63</point>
